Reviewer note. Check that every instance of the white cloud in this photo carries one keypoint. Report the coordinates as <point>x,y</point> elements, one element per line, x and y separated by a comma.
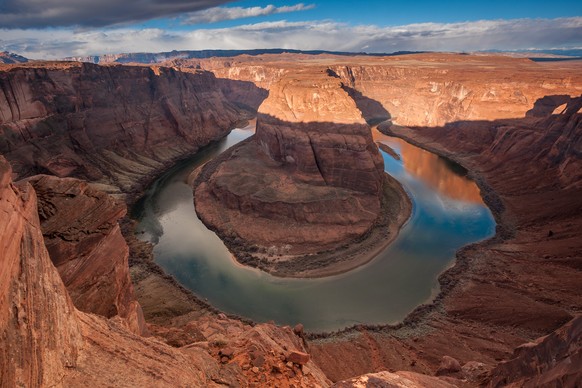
<point>319,35</point>
<point>217,14</point>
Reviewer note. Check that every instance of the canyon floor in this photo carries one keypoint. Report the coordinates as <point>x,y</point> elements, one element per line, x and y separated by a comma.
<point>509,311</point>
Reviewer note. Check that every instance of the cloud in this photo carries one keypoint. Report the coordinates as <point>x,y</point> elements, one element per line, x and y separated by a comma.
<point>93,13</point>
<point>217,14</point>
<point>320,35</point>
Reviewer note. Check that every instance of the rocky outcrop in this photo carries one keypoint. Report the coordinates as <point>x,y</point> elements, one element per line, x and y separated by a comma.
<point>393,380</point>
<point>83,238</point>
<point>311,179</point>
<point>554,360</point>
<point>117,125</point>
<point>317,132</point>
<point>41,336</point>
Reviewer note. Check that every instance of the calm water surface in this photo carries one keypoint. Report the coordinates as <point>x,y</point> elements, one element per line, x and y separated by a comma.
<point>448,213</point>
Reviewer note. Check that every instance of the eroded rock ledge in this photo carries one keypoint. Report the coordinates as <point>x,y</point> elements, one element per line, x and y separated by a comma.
<point>310,181</point>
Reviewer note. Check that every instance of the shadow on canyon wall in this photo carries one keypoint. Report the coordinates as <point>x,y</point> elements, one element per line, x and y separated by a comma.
<point>545,106</point>
<point>120,125</point>
<point>372,110</point>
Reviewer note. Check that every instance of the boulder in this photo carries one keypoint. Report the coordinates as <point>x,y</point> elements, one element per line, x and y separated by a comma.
<point>299,358</point>
<point>448,365</point>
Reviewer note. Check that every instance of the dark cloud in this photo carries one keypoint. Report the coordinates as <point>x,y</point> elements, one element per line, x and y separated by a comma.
<point>93,13</point>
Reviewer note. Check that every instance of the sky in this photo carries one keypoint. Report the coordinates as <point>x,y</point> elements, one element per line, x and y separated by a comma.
<point>53,29</point>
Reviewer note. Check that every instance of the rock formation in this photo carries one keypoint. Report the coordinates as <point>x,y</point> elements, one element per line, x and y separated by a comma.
<point>310,180</point>
<point>115,125</point>
<point>419,89</point>
<point>84,241</point>
<point>41,336</point>
<point>553,360</point>
<point>398,379</point>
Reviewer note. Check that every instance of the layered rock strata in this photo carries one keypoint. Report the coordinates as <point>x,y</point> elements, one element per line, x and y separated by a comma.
<point>419,89</point>
<point>41,336</point>
<point>83,238</point>
<point>311,179</point>
<point>512,289</point>
<point>117,125</point>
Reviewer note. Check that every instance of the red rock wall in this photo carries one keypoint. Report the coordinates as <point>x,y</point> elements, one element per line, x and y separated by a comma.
<point>115,124</point>
<point>83,238</point>
<point>311,125</point>
<point>41,336</point>
<point>420,89</point>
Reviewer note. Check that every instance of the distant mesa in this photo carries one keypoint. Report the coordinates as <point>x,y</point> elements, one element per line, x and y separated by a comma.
<point>203,54</point>
<point>11,58</point>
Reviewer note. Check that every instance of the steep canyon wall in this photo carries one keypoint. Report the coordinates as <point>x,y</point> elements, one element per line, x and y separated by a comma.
<point>111,124</point>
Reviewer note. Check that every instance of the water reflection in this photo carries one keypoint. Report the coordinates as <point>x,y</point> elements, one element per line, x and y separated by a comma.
<point>440,174</point>
<point>382,291</point>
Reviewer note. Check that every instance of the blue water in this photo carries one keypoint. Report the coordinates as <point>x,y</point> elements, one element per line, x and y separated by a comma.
<point>444,218</point>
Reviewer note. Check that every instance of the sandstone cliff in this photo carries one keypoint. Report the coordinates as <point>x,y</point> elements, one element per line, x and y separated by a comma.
<point>528,277</point>
<point>41,336</point>
<point>553,360</point>
<point>419,89</point>
<point>83,238</point>
<point>116,125</point>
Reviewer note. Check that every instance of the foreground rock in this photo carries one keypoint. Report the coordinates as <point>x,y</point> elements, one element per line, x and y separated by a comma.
<point>46,341</point>
<point>84,241</point>
<point>41,336</point>
<point>554,360</point>
<point>310,181</point>
<point>394,380</point>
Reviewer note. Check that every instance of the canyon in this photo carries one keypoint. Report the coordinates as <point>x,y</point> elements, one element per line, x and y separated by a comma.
<point>67,299</point>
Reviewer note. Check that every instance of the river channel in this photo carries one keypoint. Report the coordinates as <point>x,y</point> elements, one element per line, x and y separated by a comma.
<point>448,213</point>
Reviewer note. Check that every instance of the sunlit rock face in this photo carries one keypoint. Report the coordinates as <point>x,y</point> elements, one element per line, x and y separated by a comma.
<point>310,179</point>
<point>316,130</point>
<point>421,89</point>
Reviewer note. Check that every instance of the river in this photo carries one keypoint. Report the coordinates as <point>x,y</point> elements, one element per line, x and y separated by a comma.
<point>448,213</point>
